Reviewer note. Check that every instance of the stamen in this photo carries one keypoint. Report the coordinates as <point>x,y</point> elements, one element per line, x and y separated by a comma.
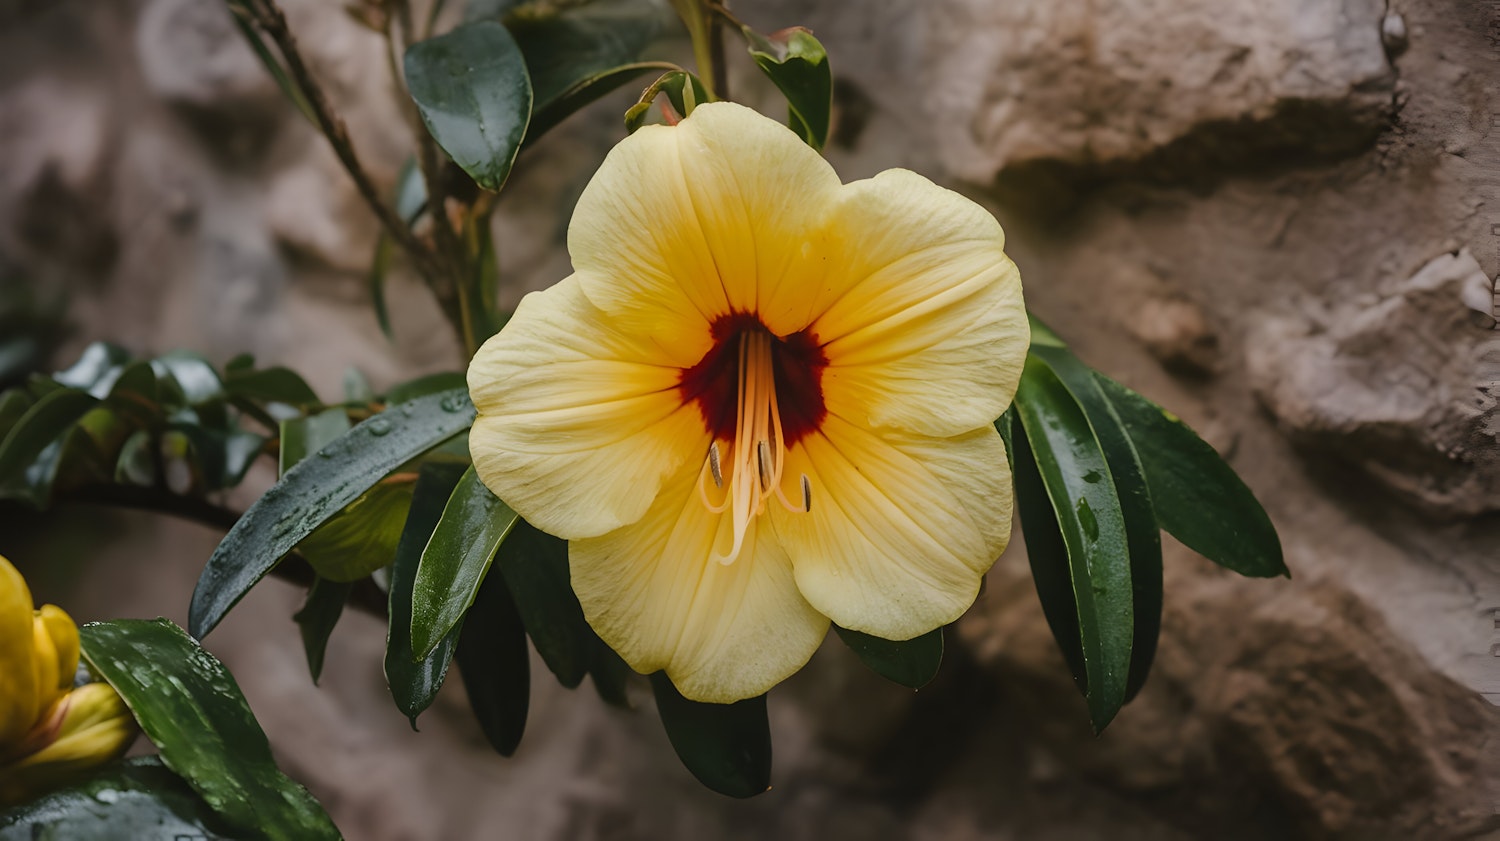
<point>757,459</point>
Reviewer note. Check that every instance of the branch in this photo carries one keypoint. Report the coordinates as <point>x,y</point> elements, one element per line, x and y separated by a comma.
<point>293,568</point>
<point>269,17</point>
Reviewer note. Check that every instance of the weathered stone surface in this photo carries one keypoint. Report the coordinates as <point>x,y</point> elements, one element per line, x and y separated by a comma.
<point>1402,383</point>
<point>1342,704</point>
<point>1166,86</point>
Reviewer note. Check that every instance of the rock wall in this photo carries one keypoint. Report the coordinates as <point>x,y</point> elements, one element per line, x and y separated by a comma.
<point>1280,219</point>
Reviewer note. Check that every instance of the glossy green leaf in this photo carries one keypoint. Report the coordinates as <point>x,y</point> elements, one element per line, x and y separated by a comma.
<point>456,560</point>
<point>278,384</point>
<point>13,406</point>
<point>1076,474</point>
<point>305,435</point>
<point>136,464</point>
<point>411,192</point>
<point>363,536</point>
<point>319,615</point>
<point>726,746</point>
<point>535,567</point>
<point>192,709</point>
<point>357,388</point>
<point>579,54</point>
<point>42,425</point>
<point>414,683</point>
<point>131,799</point>
<point>380,266</point>
<point>1046,552</point>
<point>912,663</point>
<point>1143,535</point>
<point>95,369</point>
<point>471,88</point>
<point>220,459</point>
<point>496,665</point>
<point>317,488</point>
<point>193,374</point>
<point>609,673</point>
<point>797,64</point>
<point>425,385</point>
<point>1198,497</point>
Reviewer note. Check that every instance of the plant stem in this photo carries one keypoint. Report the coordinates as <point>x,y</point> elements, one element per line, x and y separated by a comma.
<point>270,19</point>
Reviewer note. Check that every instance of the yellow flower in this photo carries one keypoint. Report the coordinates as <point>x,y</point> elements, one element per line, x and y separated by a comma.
<point>48,730</point>
<point>763,400</point>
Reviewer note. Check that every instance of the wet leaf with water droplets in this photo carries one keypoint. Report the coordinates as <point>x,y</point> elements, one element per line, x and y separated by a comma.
<point>312,492</point>
<point>190,706</point>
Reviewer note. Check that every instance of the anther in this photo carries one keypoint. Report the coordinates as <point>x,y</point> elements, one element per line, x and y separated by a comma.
<point>763,460</point>
<point>806,494</point>
<point>713,464</point>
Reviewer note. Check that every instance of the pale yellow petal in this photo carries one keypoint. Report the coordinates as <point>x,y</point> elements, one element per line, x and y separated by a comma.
<point>578,425</point>
<point>718,214</point>
<point>902,527</point>
<point>721,632</point>
<point>18,690</point>
<point>929,331</point>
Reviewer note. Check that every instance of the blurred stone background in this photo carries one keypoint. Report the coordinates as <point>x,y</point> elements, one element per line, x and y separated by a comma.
<point>1279,219</point>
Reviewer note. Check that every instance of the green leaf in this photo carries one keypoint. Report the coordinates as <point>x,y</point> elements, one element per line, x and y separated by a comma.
<point>95,369</point>
<point>456,560</point>
<point>199,382</point>
<point>363,536</point>
<point>1142,533</point>
<point>726,746</point>
<point>380,265</point>
<point>13,406</point>
<point>1046,552</point>
<point>302,436</point>
<point>798,65</point>
<point>535,567</point>
<point>414,683</point>
<point>610,674</point>
<point>1198,497</point>
<point>582,53</point>
<point>277,384</point>
<point>43,424</point>
<point>411,192</point>
<point>357,389</point>
<point>315,490</point>
<point>1076,474</point>
<point>192,709</point>
<point>429,384</point>
<point>471,88</point>
<point>496,665</point>
<point>135,798</point>
<point>318,617</point>
<point>136,464</point>
<point>912,663</point>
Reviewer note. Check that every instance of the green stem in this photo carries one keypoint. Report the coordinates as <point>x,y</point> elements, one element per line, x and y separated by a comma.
<point>700,30</point>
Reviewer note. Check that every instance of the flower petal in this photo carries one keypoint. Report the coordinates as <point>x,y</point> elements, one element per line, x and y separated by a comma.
<point>929,332</point>
<point>721,632</point>
<point>717,214</point>
<point>902,527</point>
<point>18,690</point>
<point>578,426</point>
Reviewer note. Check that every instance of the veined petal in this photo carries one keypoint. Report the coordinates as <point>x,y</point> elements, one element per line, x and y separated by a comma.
<point>928,332</point>
<point>722,632</point>
<point>902,526</point>
<point>718,214</point>
<point>18,690</point>
<point>578,425</point>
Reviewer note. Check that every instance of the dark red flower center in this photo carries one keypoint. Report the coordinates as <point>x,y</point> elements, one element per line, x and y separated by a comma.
<point>716,383</point>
